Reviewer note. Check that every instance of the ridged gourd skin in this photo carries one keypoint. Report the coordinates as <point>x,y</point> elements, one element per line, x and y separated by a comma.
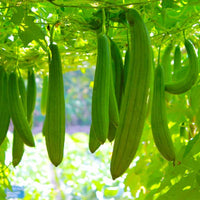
<point>166,62</point>
<point>185,84</point>
<point>54,129</point>
<point>134,103</point>
<point>18,144</point>
<point>31,95</point>
<point>116,89</point>
<point>111,132</point>
<point>101,89</point>
<point>151,85</point>
<point>4,109</point>
<point>17,113</point>
<point>113,105</point>
<point>177,62</point>
<point>117,69</point>
<point>44,95</point>
<point>113,111</point>
<point>159,124</point>
<point>94,143</point>
<point>126,64</point>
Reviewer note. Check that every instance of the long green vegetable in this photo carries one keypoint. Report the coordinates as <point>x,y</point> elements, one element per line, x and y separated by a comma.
<point>31,96</point>
<point>159,122</point>
<point>18,144</point>
<point>185,84</point>
<point>134,103</point>
<point>17,113</point>
<point>54,126</point>
<point>44,94</point>
<point>4,108</point>
<point>101,89</point>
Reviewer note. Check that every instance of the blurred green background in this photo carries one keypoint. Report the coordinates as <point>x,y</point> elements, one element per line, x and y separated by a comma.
<point>78,94</point>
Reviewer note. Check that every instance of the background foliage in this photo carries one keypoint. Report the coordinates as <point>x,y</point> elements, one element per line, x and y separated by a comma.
<point>81,175</point>
<point>24,38</point>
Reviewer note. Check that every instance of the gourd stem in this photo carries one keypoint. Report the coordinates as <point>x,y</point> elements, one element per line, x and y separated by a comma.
<point>104,21</point>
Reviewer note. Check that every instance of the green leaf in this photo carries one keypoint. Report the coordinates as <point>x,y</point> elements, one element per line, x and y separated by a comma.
<point>167,4</point>
<point>2,194</point>
<point>26,36</point>
<point>198,119</point>
<point>194,98</point>
<point>191,144</point>
<point>18,15</point>
<point>182,189</point>
<point>133,181</point>
<point>177,104</point>
<point>31,31</point>
<point>198,177</point>
<point>110,192</point>
<point>3,148</point>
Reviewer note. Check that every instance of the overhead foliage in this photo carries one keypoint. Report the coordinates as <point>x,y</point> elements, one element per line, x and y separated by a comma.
<point>25,28</point>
